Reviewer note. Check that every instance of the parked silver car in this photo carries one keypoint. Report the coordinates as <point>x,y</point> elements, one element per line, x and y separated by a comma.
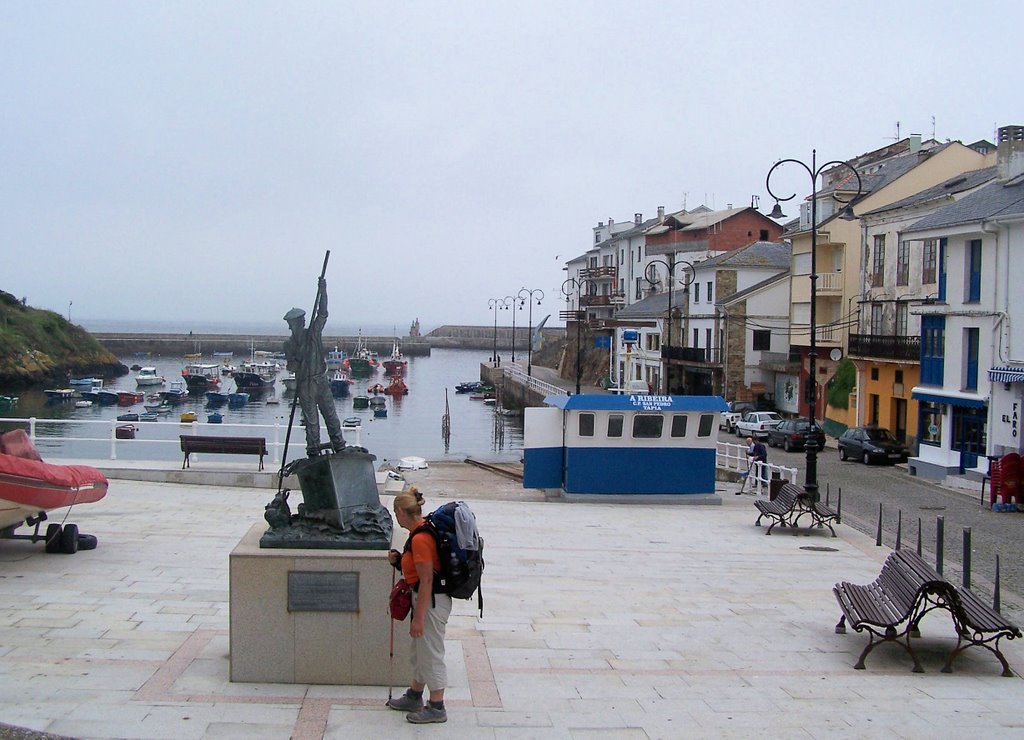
<point>757,423</point>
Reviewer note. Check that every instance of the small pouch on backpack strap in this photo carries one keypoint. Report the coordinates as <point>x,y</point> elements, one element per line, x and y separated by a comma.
<point>400,601</point>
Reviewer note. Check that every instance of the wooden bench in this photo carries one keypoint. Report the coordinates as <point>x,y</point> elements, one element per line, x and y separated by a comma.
<point>891,608</point>
<point>979,624</point>
<point>790,505</point>
<point>222,446</point>
<point>781,508</point>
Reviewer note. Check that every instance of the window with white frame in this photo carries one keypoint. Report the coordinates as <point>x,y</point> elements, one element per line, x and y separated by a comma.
<point>929,252</point>
<point>903,263</point>
<point>902,316</point>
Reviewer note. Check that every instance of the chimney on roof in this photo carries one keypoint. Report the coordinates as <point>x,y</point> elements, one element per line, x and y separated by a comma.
<point>1010,152</point>
<point>661,214</point>
<point>638,218</point>
<point>915,143</point>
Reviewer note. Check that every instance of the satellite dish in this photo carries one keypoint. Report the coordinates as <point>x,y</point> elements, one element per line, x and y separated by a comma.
<point>836,354</point>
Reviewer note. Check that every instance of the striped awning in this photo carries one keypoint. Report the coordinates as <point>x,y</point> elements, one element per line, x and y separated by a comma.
<point>1006,374</point>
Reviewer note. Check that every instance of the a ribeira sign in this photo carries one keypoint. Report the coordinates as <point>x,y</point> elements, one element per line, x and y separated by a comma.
<point>651,403</point>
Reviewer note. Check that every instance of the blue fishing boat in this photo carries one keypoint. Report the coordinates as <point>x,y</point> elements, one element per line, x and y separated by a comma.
<point>240,398</point>
<point>214,418</point>
<point>216,398</point>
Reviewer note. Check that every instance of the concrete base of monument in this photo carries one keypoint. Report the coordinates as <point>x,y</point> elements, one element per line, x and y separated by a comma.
<point>313,616</point>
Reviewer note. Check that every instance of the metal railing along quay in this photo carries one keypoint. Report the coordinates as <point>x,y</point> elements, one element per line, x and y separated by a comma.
<point>99,436</point>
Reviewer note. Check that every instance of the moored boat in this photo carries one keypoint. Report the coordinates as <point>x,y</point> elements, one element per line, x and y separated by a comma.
<point>59,395</point>
<point>199,377</point>
<point>340,384</point>
<point>380,412</point>
<point>148,376</point>
<point>396,364</point>
<point>86,382</point>
<point>254,375</point>
<point>239,398</point>
<point>377,401</point>
<point>128,417</point>
<point>149,416</point>
<point>107,397</point>
<point>214,418</point>
<point>129,398</point>
<point>336,359</point>
<point>397,387</point>
<point>8,402</point>
<point>360,402</point>
<point>125,431</point>
<point>351,422</point>
<point>363,361</point>
<point>188,417</point>
<point>216,398</point>
<point>177,393</point>
<point>83,403</point>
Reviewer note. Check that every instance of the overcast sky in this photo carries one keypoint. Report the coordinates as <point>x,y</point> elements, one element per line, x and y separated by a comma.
<point>193,160</point>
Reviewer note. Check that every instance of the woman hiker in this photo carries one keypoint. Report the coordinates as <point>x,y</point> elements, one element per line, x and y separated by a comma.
<point>419,562</point>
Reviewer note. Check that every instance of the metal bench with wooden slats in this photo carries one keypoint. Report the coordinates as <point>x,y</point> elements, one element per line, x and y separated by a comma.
<point>979,624</point>
<point>891,607</point>
<point>222,446</point>
<point>781,508</point>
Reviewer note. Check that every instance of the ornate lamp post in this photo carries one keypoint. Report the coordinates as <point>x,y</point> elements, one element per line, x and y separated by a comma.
<point>570,287</point>
<point>528,296</point>
<point>651,275</point>
<point>510,305</point>
<point>811,484</point>
<point>495,304</point>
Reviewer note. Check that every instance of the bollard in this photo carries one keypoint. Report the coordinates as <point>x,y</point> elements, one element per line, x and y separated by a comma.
<point>899,528</point>
<point>878,535</point>
<point>839,506</point>
<point>919,537</point>
<point>940,535</point>
<point>828,492</point>
<point>967,557</point>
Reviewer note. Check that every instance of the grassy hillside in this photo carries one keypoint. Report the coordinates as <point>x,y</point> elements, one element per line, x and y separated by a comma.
<point>39,347</point>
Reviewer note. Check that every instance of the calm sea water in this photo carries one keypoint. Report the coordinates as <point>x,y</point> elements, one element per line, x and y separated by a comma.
<point>412,427</point>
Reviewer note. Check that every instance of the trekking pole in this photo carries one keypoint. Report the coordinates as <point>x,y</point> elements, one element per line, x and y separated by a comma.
<point>391,653</point>
<point>295,398</point>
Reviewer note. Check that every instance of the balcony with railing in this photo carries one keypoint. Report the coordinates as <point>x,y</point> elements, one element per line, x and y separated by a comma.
<point>609,299</point>
<point>887,347</point>
<point>599,273</point>
<point>697,355</point>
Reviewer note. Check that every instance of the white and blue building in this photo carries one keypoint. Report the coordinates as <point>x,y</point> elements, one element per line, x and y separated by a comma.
<point>636,447</point>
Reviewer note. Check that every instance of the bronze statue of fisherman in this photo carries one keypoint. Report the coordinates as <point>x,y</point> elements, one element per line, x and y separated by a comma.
<point>305,354</point>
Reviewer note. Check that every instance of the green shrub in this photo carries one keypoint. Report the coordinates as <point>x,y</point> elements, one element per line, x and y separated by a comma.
<point>841,384</point>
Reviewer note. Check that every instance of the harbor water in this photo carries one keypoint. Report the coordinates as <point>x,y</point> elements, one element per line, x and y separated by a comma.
<point>412,426</point>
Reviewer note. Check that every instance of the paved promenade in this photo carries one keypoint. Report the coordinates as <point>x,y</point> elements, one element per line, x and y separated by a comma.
<point>600,621</point>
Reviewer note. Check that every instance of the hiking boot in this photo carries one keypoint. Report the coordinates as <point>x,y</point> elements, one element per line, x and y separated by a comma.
<point>407,702</point>
<point>427,715</point>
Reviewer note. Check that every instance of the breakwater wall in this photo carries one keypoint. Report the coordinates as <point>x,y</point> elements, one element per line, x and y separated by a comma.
<point>125,345</point>
<point>242,345</point>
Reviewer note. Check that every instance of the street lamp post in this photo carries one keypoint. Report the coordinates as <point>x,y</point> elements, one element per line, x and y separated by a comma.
<point>570,286</point>
<point>510,304</point>
<point>495,303</point>
<point>811,484</point>
<point>651,275</point>
<point>528,295</point>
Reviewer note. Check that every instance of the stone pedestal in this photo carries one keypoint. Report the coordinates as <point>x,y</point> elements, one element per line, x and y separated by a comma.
<point>313,616</point>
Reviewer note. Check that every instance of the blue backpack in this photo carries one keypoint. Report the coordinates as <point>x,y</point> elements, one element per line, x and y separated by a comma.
<point>462,564</point>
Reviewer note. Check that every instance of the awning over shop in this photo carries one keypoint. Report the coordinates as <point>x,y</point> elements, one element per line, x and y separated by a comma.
<point>1006,374</point>
<point>951,398</point>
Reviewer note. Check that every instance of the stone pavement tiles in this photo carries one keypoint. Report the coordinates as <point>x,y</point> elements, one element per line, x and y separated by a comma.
<point>599,620</point>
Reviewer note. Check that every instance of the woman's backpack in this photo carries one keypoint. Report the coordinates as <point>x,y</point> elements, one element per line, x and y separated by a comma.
<point>460,550</point>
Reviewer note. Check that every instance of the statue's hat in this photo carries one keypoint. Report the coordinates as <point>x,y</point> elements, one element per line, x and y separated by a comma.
<point>295,313</point>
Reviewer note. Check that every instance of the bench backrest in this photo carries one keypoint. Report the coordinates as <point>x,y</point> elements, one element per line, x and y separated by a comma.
<point>906,577</point>
<point>197,442</point>
<point>788,495</point>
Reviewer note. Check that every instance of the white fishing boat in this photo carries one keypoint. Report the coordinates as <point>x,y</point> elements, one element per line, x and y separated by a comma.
<point>148,376</point>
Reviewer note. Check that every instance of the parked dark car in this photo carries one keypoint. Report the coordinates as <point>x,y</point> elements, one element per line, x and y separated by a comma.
<point>792,434</point>
<point>872,444</point>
